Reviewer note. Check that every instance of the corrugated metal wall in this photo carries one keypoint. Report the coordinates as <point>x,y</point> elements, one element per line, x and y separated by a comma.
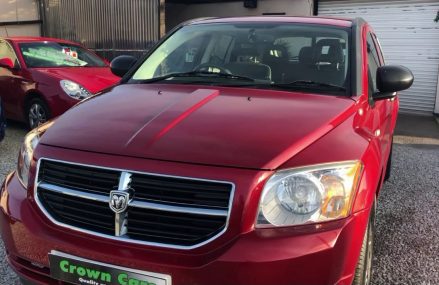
<point>409,37</point>
<point>110,27</point>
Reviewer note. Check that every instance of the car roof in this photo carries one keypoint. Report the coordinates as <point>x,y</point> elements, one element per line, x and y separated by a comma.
<point>331,21</point>
<point>38,39</point>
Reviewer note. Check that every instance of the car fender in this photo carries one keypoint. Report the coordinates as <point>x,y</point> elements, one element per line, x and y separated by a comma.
<point>49,89</point>
<point>349,141</point>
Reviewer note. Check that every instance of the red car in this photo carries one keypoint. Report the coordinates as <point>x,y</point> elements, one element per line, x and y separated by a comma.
<point>41,78</point>
<point>238,151</point>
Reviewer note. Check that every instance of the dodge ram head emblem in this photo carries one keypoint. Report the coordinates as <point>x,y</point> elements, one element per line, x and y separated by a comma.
<point>119,201</point>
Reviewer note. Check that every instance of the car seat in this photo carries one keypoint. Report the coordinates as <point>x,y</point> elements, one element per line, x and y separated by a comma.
<point>276,56</point>
<point>329,61</point>
<point>245,62</point>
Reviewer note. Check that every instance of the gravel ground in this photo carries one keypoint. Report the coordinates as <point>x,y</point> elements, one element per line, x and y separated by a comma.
<point>407,237</point>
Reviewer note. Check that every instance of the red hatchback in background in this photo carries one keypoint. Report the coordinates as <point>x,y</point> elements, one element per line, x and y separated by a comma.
<point>239,151</point>
<point>41,78</point>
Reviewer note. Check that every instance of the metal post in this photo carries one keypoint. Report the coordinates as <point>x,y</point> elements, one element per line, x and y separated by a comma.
<point>162,18</point>
<point>41,15</point>
<point>436,108</point>
<point>316,7</point>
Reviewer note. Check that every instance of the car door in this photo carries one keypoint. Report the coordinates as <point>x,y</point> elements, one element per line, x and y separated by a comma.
<point>381,109</point>
<point>11,81</point>
<point>392,104</point>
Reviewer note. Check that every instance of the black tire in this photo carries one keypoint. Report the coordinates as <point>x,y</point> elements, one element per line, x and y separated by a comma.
<point>363,272</point>
<point>37,113</point>
<point>389,164</point>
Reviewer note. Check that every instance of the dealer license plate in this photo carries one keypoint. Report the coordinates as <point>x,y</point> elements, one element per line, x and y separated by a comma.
<point>76,270</point>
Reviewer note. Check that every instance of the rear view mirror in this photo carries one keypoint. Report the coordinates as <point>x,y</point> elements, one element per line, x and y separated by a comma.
<point>122,64</point>
<point>6,62</point>
<point>391,79</point>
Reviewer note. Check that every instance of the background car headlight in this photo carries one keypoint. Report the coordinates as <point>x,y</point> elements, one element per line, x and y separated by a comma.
<point>25,155</point>
<point>74,90</point>
<point>309,195</point>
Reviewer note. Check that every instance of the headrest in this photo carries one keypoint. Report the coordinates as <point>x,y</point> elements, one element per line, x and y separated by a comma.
<point>329,50</point>
<point>246,54</point>
<point>276,52</point>
<point>328,42</point>
<point>306,55</point>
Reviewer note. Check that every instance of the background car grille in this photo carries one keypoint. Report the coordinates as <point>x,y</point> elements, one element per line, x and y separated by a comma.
<point>166,210</point>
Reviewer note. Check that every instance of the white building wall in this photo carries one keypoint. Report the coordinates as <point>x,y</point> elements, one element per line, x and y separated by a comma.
<point>409,37</point>
<point>15,11</point>
<point>177,13</point>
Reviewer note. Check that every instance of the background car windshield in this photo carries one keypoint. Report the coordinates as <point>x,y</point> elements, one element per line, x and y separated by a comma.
<point>52,54</point>
<point>279,53</point>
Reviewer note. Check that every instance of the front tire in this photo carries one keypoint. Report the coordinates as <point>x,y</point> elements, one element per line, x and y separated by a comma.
<point>363,272</point>
<point>37,113</point>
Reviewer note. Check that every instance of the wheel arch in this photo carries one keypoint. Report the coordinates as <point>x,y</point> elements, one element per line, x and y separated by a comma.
<point>30,95</point>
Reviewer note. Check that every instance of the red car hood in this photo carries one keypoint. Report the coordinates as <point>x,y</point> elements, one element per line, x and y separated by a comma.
<point>94,79</point>
<point>247,128</point>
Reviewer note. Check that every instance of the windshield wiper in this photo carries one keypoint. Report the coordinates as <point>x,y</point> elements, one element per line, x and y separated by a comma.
<point>203,74</point>
<point>309,84</point>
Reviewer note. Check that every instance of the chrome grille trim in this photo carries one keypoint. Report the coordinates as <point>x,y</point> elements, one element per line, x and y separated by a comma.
<point>177,209</point>
<point>121,219</point>
<point>74,193</point>
<point>137,204</point>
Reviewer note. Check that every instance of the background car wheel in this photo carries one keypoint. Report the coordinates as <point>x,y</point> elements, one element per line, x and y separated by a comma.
<point>37,113</point>
<point>363,272</point>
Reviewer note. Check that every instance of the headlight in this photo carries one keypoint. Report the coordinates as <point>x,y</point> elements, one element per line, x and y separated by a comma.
<point>74,90</point>
<point>309,195</point>
<point>31,141</point>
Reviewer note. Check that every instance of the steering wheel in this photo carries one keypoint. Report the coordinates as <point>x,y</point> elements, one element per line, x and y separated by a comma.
<point>208,67</point>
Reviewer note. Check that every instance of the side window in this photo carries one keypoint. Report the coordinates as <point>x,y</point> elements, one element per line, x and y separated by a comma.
<point>379,48</point>
<point>373,64</point>
<point>7,51</point>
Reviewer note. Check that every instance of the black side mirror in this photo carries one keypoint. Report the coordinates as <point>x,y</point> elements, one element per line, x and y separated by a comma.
<point>122,64</point>
<point>391,79</point>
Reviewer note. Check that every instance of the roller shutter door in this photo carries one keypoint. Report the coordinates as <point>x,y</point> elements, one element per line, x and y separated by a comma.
<point>409,37</point>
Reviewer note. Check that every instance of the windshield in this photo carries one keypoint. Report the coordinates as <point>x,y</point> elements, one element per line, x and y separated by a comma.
<point>283,55</point>
<point>52,54</point>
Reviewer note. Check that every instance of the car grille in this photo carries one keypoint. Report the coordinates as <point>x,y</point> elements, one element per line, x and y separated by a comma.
<point>163,210</point>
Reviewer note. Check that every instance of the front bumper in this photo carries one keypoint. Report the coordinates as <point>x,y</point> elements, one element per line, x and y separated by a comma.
<point>325,255</point>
